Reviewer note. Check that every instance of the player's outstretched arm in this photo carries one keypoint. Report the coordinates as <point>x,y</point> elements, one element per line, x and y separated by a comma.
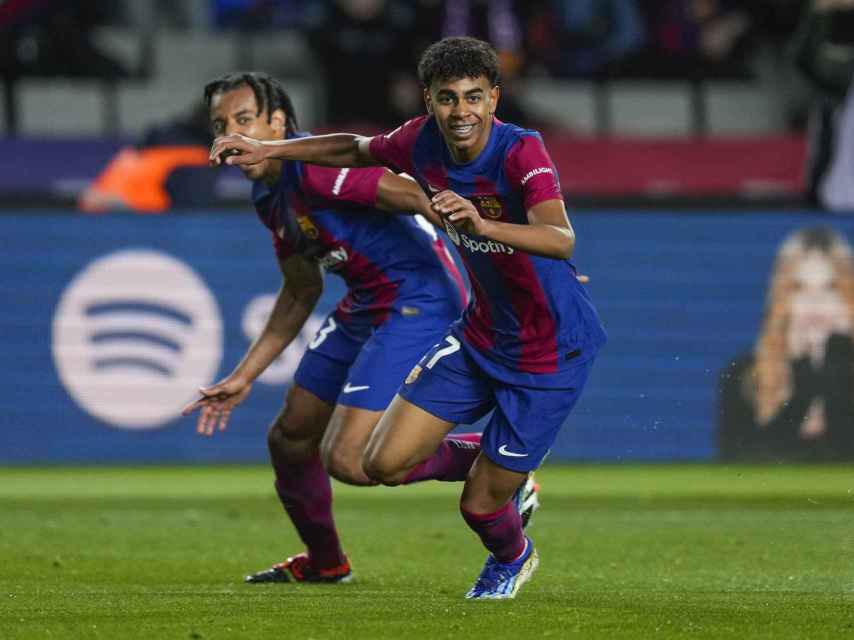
<point>295,302</point>
<point>548,234</point>
<point>401,194</point>
<point>333,150</point>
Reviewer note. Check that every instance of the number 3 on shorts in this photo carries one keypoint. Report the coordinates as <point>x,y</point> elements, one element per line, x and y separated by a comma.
<point>323,333</point>
<point>453,346</point>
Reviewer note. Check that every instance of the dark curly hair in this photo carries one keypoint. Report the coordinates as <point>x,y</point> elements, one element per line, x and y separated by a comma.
<point>269,93</point>
<point>457,58</point>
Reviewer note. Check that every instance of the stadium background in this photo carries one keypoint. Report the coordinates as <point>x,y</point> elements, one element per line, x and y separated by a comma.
<point>690,135</point>
<point>678,130</point>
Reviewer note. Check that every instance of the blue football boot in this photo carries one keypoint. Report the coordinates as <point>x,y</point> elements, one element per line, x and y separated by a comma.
<point>500,581</point>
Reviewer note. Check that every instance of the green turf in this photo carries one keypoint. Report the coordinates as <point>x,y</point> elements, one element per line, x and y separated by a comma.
<point>626,552</point>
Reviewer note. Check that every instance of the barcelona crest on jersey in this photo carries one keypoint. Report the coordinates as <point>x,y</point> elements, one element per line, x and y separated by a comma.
<point>308,227</point>
<point>490,206</point>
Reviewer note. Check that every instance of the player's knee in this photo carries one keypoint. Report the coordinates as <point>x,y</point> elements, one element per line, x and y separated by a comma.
<point>284,445</point>
<point>344,464</point>
<point>382,469</point>
<point>477,504</point>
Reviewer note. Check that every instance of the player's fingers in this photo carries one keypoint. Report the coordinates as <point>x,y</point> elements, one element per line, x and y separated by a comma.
<point>583,279</point>
<point>210,415</point>
<point>217,148</point>
<point>187,410</point>
<point>449,206</point>
<point>223,419</point>
<point>241,158</point>
<point>443,198</point>
<point>462,214</point>
<point>210,423</point>
<point>202,421</point>
<point>245,155</point>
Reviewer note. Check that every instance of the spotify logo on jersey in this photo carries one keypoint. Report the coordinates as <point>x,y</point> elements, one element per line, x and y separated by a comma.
<point>135,333</point>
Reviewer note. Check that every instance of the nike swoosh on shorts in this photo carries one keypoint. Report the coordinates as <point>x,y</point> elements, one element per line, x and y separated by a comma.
<point>504,452</point>
<point>348,388</point>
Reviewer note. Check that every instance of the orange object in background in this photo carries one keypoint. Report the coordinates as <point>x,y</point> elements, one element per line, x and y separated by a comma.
<point>135,179</point>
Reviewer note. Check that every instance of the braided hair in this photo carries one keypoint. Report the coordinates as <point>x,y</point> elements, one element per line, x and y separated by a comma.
<point>269,93</point>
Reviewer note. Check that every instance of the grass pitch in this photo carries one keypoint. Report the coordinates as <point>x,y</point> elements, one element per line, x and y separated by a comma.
<point>626,552</point>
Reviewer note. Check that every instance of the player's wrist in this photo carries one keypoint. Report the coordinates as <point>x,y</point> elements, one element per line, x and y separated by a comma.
<point>242,378</point>
<point>488,229</point>
<point>271,149</point>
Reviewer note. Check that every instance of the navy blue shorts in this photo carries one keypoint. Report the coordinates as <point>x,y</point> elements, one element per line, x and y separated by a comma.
<point>449,384</point>
<point>363,366</point>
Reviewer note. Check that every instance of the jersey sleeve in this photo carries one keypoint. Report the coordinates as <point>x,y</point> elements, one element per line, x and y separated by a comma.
<point>530,169</point>
<point>353,186</point>
<point>394,149</point>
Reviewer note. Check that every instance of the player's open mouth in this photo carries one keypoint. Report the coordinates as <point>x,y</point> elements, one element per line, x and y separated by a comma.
<point>462,130</point>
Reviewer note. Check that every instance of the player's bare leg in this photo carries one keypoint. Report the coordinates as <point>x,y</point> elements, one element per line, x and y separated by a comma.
<point>304,489</point>
<point>407,438</point>
<point>410,444</point>
<point>295,435</point>
<point>345,440</point>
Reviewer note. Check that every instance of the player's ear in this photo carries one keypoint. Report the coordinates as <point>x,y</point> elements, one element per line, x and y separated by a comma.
<point>428,101</point>
<point>494,95</point>
<point>279,121</point>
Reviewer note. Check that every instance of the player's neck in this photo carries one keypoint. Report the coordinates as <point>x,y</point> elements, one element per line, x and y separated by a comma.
<point>465,155</point>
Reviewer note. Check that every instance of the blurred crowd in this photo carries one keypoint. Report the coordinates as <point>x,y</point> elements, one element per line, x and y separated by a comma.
<point>369,49</point>
<point>558,38</point>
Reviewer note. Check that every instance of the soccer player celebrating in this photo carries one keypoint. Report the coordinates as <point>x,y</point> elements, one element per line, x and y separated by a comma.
<point>527,340</point>
<point>403,292</point>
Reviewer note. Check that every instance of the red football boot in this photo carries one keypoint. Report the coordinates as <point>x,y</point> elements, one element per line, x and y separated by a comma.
<point>299,569</point>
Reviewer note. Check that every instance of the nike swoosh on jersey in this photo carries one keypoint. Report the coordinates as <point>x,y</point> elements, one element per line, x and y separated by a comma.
<point>503,451</point>
<point>348,388</point>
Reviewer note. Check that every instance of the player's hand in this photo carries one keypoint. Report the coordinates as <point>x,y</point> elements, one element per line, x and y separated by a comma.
<point>237,149</point>
<point>460,212</point>
<point>217,403</point>
<point>582,278</point>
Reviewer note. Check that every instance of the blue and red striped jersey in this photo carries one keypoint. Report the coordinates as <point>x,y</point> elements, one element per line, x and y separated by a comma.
<point>390,263</point>
<point>528,313</point>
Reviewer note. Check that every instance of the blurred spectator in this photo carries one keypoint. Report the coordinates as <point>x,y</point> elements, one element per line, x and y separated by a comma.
<point>724,29</point>
<point>574,38</point>
<point>494,21</point>
<point>836,189</point>
<point>793,396</point>
<point>149,15</point>
<point>823,50</point>
<point>168,169</point>
<point>54,39</point>
<point>262,14</point>
<point>364,47</point>
<point>690,39</point>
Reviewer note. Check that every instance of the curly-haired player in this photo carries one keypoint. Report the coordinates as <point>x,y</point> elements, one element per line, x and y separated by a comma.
<point>526,342</point>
